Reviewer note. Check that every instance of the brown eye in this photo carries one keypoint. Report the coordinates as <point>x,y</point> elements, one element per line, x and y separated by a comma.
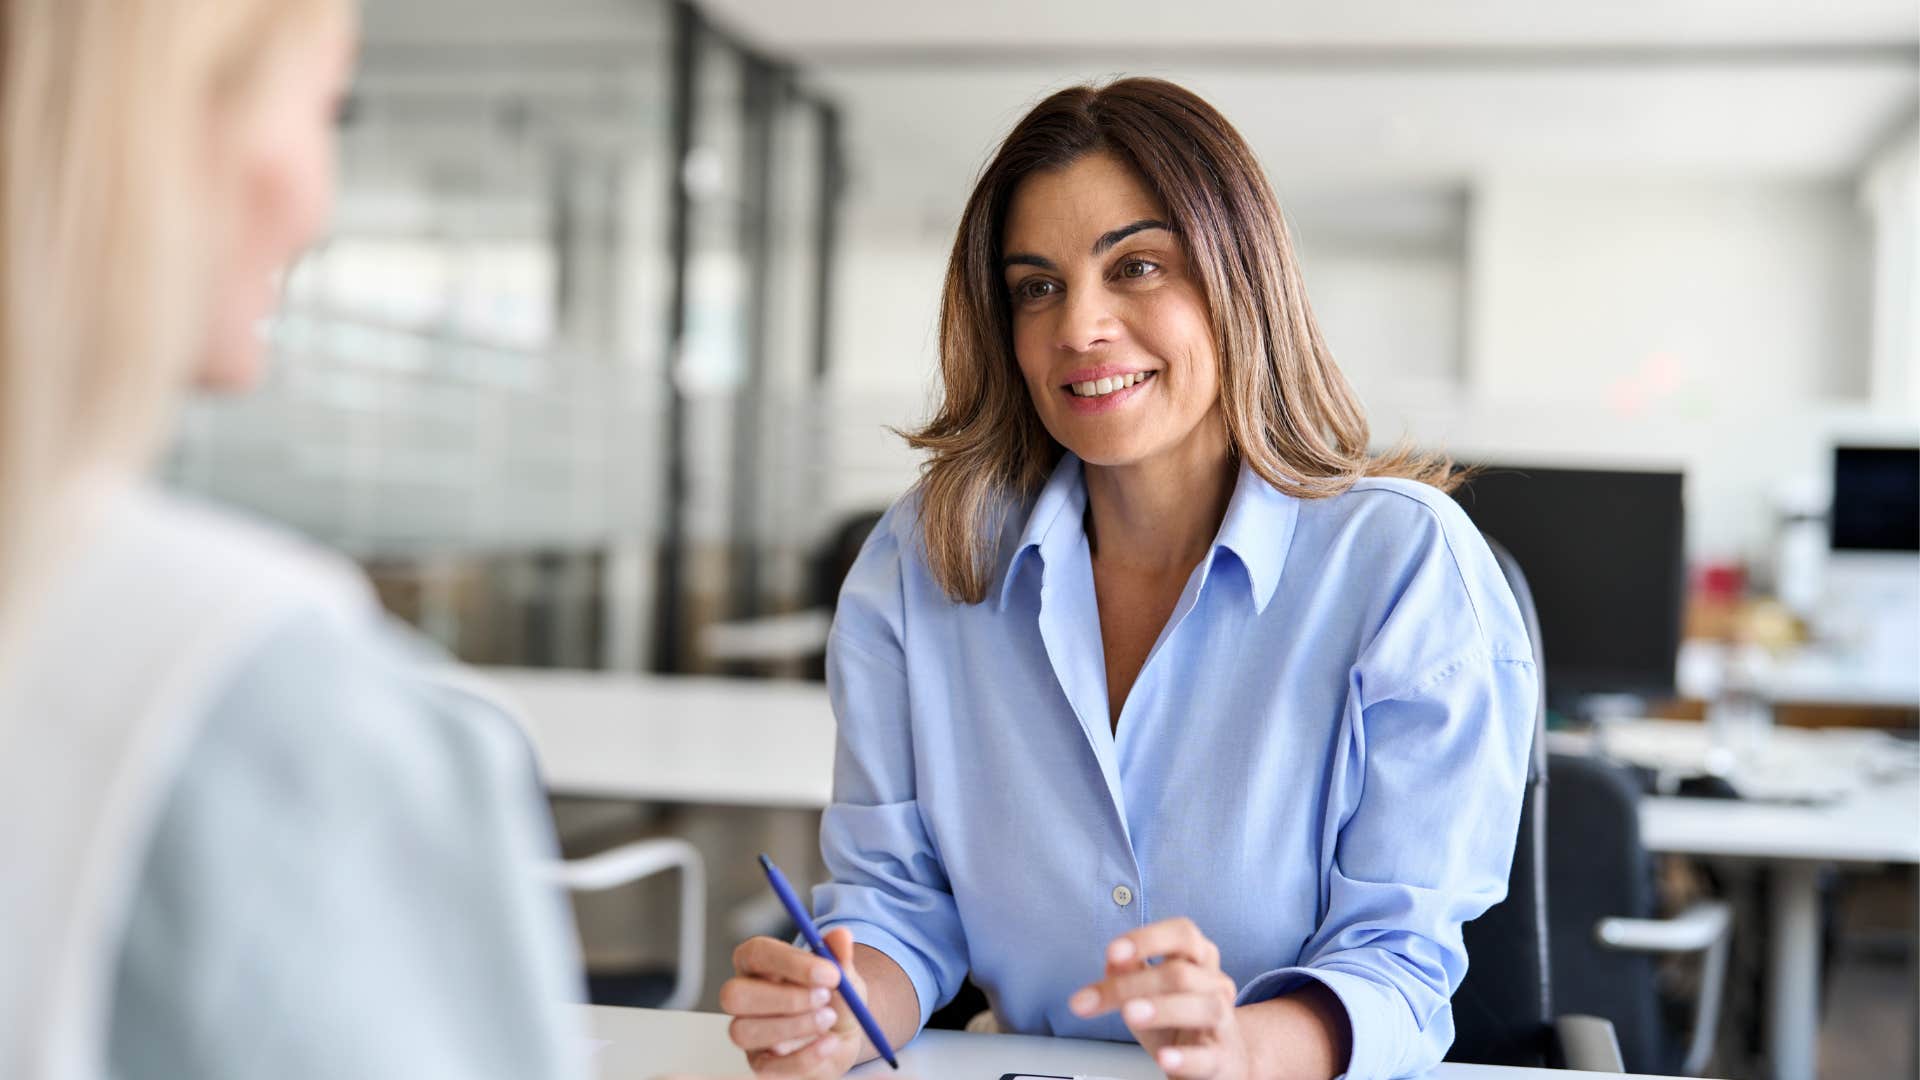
<point>1137,268</point>
<point>1034,289</point>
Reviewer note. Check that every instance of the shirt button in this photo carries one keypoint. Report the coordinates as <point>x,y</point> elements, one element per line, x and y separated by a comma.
<point>1122,895</point>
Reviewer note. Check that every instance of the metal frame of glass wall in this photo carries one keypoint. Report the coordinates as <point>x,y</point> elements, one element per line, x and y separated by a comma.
<point>753,217</point>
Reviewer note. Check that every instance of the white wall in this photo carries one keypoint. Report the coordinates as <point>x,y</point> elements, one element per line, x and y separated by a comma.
<point>1749,291</point>
<point>1716,325</point>
<point>1390,316</point>
<point>1890,195</point>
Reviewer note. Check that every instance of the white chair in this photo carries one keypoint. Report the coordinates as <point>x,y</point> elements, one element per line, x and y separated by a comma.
<point>622,864</point>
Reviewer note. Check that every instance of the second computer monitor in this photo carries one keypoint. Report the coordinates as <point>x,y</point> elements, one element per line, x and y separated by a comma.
<point>1604,555</point>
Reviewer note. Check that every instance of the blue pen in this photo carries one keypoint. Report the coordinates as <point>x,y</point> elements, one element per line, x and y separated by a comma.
<point>791,902</point>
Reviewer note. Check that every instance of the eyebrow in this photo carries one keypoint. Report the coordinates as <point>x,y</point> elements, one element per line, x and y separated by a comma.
<point>1110,238</point>
<point>1105,243</point>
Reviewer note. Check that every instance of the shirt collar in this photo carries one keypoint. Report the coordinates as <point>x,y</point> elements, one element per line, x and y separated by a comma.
<point>1257,528</point>
<point>1057,518</point>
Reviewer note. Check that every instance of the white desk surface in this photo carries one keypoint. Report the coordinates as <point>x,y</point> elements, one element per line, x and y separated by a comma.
<point>647,1043</point>
<point>651,738</point>
<point>1875,818</point>
<point>1875,824</point>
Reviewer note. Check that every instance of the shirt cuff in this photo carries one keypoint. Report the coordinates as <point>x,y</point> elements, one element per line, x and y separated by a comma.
<point>1375,1015</point>
<point>925,987</point>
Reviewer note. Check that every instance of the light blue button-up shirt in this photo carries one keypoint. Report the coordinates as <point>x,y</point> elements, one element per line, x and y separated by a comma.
<point>1320,763</point>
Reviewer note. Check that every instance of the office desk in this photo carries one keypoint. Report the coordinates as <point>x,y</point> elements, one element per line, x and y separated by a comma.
<point>1877,821</point>
<point>687,739</point>
<point>1877,825</point>
<point>646,1043</point>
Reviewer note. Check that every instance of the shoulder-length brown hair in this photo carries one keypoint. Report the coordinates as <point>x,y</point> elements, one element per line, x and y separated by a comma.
<point>1289,411</point>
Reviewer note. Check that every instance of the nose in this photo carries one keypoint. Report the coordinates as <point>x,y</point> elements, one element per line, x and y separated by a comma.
<point>1086,321</point>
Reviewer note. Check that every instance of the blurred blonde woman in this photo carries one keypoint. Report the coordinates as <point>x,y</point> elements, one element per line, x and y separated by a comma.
<point>239,837</point>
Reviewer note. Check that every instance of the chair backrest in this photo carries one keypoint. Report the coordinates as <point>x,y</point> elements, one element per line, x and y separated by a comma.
<point>1503,1011</point>
<point>834,557</point>
<point>831,562</point>
<point>1597,868</point>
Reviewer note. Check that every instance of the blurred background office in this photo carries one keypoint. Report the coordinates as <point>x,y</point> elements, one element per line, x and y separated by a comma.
<point>597,370</point>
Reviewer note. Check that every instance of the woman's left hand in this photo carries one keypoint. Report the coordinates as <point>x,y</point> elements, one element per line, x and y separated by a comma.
<point>1180,1009</point>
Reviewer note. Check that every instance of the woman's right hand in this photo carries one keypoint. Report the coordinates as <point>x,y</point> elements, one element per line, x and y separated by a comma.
<point>787,1013</point>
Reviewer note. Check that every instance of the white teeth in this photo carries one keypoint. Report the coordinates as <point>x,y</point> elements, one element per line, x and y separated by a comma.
<point>1102,387</point>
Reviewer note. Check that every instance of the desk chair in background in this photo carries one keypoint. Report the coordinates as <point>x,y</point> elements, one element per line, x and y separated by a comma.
<point>1605,940</point>
<point>1576,930</point>
<point>831,562</point>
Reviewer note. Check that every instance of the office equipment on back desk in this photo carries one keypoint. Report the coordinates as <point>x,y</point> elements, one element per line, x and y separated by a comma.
<point>642,1044</point>
<point>1869,615</point>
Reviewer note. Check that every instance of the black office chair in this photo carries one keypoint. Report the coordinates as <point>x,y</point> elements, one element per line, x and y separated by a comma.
<point>1503,1011</point>
<point>830,564</point>
<point>1605,939</point>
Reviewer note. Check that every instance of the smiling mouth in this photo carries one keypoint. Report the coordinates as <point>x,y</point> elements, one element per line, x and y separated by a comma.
<point>1094,388</point>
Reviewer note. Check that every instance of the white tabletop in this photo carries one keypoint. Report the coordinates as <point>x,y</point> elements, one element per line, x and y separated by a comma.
<point>1867,787</point>
<point>1880,823</point>
<point>652,738</point>
<point>646,1043</point>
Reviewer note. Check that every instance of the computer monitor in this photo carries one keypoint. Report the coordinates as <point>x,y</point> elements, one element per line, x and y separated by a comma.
<point>1604,555</point>
<point>1869,610</point>
<point>1876,499</point>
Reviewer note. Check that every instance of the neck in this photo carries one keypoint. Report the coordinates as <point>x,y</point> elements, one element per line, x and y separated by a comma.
<point>1159,516</point>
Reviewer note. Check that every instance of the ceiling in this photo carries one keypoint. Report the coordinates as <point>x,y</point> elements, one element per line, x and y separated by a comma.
<point>1375,94</point>
<point>1407,99</point>
<point>819,28</point>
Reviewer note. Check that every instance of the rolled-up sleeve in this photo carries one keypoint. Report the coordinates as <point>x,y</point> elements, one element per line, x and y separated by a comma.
<point>887,884</point>
<point>1432,776</point>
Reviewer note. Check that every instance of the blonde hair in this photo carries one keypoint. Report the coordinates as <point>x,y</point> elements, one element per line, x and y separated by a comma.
<point>1289,412</point>
<point>106,110</point>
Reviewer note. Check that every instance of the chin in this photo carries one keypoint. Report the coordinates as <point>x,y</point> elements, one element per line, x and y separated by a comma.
<point>1109,453</point>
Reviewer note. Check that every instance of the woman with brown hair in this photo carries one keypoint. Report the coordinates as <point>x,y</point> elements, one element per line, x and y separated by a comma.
<point>1167,711</point>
